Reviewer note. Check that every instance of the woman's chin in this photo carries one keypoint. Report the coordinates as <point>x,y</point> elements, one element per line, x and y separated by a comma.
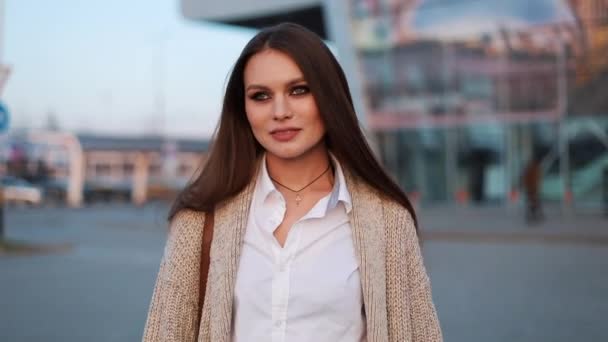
<point>285,153</point>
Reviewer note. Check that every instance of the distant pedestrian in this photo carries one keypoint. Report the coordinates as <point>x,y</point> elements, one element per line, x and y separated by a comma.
<point>531,181</point>
<point>41,174</point>
<point>293,231</point>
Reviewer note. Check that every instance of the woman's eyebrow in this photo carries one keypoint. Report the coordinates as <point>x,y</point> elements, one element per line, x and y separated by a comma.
<point>256,86</point>
<point>296,80</point>
<point>263,87</point>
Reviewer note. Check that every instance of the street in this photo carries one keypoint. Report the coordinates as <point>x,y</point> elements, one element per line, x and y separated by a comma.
<point>99,288</point>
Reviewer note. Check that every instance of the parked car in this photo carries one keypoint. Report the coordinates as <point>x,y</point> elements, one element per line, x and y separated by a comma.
<point>17,190</point>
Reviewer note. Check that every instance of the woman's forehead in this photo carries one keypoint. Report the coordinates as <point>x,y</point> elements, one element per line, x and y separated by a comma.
<point>271,67</point>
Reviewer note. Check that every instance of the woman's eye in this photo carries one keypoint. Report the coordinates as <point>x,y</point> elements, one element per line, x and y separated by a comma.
<point>259,96</point>
<point>300,90</point>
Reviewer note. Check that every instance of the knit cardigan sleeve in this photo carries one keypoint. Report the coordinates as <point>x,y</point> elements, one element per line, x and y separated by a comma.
<point>411,312</point>
<point>172,315</point>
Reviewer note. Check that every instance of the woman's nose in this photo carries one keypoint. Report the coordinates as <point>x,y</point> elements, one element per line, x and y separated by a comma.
<point>281,110</point>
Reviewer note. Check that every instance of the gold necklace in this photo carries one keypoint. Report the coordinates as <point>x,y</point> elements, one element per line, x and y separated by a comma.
<point>298,197</point>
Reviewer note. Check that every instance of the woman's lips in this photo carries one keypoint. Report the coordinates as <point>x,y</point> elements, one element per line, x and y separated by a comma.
<point>285,134</point>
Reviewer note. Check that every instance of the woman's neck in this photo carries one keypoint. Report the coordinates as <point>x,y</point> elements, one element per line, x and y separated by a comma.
<point>298,172</point>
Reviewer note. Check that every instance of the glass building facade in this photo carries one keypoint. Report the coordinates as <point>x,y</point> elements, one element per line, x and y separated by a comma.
<point>460,94</point>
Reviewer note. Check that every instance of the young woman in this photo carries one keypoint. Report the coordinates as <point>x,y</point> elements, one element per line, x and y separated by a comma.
<point>312,241</point>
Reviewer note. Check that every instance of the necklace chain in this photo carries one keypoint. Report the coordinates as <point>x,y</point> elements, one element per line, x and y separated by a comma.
<point>298,197</point>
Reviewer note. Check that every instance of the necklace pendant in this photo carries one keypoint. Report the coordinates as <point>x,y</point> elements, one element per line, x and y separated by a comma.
<point>298,199</point>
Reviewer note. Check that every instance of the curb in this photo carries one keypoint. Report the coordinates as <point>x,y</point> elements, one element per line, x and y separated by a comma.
<point>517,237</point>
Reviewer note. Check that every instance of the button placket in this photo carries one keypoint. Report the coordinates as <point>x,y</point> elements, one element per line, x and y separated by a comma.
<point>280,294</point>
<point>278,323</point>
<point>281,283</point>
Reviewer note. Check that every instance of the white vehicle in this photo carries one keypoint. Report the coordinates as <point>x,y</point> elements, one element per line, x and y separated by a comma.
<point>18,190</point>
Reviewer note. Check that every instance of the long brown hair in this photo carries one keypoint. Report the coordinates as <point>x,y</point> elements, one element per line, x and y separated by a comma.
<point>232,159</point>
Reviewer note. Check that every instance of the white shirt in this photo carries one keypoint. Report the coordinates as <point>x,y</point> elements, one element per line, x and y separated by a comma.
<point>308,290</point>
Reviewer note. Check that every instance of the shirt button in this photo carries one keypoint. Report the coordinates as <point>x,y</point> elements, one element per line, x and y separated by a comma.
<point>278,323</point>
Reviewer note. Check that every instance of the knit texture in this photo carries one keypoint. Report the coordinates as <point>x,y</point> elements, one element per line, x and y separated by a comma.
<point>396,288</point>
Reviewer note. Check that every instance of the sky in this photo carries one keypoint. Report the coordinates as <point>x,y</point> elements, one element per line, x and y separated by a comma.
<point>105,65</point>
<point>462,18</point>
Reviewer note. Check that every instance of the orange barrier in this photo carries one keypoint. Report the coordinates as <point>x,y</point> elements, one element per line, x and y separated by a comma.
<point>462,196</point>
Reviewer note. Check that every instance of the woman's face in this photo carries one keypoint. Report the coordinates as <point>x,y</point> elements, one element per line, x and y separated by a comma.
<point>280,107</point>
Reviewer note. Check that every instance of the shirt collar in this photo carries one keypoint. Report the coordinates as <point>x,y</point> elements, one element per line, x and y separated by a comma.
<point>266,186</point>
<point>340,191</point>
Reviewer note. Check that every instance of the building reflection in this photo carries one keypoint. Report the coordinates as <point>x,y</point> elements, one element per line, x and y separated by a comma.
<point>84,168</point>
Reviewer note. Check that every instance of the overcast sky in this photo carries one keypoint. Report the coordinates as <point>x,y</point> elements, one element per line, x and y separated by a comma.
<point>105,65</point>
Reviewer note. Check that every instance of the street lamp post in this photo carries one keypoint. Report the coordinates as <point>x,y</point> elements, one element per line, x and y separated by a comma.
<point>2,80</point>
<point>562,134</point>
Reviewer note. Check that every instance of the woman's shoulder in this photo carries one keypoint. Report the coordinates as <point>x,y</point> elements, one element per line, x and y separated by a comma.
<point>182,248</point>
<point>187,217</point>
<point>395,208</point>
<point>391,209</point>
<point>186,225</point>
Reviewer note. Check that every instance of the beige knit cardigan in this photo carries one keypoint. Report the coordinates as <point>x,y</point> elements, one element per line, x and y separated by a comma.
<point>396,288</point>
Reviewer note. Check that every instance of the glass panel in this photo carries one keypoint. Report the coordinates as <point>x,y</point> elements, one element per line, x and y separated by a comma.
<point>499,75</point>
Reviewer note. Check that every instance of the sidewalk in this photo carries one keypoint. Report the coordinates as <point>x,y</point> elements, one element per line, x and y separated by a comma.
<point>502,224</point>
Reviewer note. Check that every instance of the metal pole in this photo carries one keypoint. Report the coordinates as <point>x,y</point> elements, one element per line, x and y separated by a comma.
<point>508,164</point>
<point>337,20</point>
<point>1,87</point>
<point>504,106</point>
<point>562,100</point>
<point>1,213</point>
<point>162,78</point>
<point>450,162</point>
<point>450,132</point>
<point>1,31</point>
